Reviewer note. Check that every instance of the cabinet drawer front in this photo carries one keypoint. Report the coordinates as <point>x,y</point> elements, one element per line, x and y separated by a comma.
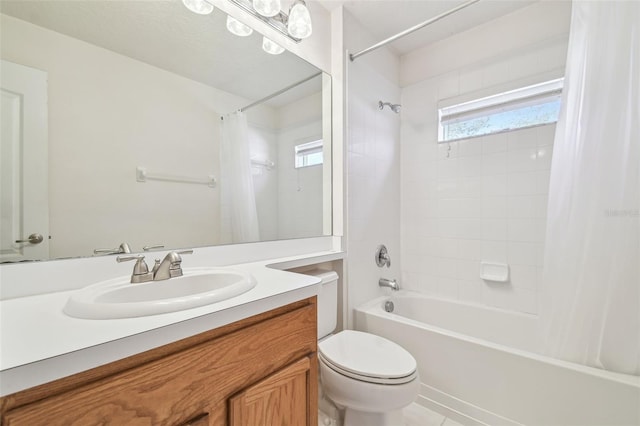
<point>184,386</point>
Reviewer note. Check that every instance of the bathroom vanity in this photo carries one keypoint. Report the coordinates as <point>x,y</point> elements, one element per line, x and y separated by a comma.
<point>260,370</point>
<point>248,360</point>
<point>254,371</point>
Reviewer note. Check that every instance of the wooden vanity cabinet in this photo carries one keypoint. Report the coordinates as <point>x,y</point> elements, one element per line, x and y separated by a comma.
<point>255,372</point>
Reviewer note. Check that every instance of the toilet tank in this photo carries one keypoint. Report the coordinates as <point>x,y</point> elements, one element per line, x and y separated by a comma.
<point>327,301</point>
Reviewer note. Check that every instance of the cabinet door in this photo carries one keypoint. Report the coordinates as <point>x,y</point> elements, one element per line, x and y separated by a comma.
<point>283,399</point>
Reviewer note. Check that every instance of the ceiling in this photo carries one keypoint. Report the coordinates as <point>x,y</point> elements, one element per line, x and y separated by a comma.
<point>385,18</point>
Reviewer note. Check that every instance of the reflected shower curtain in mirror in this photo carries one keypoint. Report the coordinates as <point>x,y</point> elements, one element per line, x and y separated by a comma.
<point>590,303</point>
<point>238,196</point>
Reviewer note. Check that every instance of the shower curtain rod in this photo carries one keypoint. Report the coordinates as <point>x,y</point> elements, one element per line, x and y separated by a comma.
<point>410,30</point>
<point>279,92</point>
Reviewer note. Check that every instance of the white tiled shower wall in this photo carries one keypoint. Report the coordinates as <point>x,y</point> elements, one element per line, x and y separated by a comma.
<point>373,168</point>
<point>373,175</point>
<point>482,200</point>
<point>479,199</point>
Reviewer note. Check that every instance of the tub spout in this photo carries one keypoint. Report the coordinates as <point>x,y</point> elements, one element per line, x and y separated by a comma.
<point>392,284</point>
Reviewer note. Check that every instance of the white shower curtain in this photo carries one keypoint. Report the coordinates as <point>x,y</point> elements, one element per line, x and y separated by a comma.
<point>238,195</point>
<point>590,304</point>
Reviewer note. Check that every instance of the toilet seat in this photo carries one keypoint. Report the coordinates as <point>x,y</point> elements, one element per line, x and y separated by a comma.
<point>367,358</point>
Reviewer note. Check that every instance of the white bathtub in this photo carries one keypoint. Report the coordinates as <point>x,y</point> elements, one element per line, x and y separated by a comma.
<point>477,365</point>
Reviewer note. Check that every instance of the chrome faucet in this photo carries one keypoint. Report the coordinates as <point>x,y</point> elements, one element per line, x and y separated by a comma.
<point>170,267</point>
<point>392,284</point>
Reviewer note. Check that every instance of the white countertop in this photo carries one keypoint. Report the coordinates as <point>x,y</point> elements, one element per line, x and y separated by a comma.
<point>39,343</point>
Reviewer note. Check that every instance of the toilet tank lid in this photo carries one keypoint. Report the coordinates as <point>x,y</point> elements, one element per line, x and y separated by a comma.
<point>325,275</point>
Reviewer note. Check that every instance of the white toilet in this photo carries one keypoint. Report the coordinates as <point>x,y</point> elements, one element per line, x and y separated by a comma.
<point>371,377</point>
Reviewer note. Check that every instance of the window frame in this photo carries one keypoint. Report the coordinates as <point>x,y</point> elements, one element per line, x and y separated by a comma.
<point>510,100</point>
<point>303,149</point>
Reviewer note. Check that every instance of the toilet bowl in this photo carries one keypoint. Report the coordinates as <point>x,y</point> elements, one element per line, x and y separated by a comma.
<point>369,377</point>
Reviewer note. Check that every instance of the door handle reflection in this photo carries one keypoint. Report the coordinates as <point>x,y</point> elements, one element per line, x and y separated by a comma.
<point>32,239</point>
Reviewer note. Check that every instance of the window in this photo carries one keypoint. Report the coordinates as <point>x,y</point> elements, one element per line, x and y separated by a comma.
<point>308,154</point>
<point>525,107</point>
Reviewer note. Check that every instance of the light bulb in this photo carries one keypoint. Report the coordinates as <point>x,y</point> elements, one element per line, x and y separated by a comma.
<point>201,7</point>
<point>267,8</point>
<point>271,47</point>
<point>238,28</point>
<point>299,25</point>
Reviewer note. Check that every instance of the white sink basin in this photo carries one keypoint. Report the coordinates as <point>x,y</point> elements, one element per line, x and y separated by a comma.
<point>118,298</point>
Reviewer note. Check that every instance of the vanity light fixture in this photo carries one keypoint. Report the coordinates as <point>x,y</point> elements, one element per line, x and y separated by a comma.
<point>267,8</point>
<point>238,28</point>
<point>299,23</point>
<point>271,47</point>
<point>296,25</point>
<point>201,7</point>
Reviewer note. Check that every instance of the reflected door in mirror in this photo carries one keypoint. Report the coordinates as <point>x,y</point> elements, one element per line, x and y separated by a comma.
<point>24,227</point>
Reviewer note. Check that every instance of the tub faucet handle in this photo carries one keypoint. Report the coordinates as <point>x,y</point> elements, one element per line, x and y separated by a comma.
<point>382,256</point>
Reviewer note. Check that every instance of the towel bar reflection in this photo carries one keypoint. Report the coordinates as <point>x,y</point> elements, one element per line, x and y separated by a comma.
<point>267,164</point>
<point>142,175</point>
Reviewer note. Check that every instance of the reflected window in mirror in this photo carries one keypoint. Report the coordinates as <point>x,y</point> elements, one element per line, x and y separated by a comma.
<point>308,154</point>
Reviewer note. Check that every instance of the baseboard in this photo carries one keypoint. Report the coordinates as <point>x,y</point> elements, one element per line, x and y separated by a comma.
<point>458,410</point>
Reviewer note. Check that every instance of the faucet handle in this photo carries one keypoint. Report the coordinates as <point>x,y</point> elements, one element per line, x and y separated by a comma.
<point>140,269</point>
<point>122,248</point>
<point>177,259</point>
<point>175,266</point>
<point>382,256</point>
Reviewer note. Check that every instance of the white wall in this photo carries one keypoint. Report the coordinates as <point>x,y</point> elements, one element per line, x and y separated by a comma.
<point>263,144</point>
<point>373,167</point>
<point>481,199</point>
<point>299,205</point>
<point>300,208</point>
<point>493,44</point>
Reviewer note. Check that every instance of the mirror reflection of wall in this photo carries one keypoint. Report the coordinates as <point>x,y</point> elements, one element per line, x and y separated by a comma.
<point>288,205</point>
<point>115,105</point>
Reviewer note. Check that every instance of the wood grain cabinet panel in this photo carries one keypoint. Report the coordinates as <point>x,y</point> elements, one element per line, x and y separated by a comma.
<point>270,362</point>
<point>282,399</point>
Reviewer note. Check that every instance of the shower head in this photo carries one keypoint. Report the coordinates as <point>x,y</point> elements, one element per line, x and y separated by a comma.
<point>394,107</point>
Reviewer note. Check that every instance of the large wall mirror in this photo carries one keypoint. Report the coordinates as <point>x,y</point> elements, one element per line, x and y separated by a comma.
<point>120,124</point>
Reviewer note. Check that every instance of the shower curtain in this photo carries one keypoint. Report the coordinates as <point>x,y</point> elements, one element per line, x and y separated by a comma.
<point>590,302</point>
<point>238,195</point>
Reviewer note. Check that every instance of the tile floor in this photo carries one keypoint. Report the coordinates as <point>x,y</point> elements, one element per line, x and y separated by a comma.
<point>414,415</point>
<point>417,415</point>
